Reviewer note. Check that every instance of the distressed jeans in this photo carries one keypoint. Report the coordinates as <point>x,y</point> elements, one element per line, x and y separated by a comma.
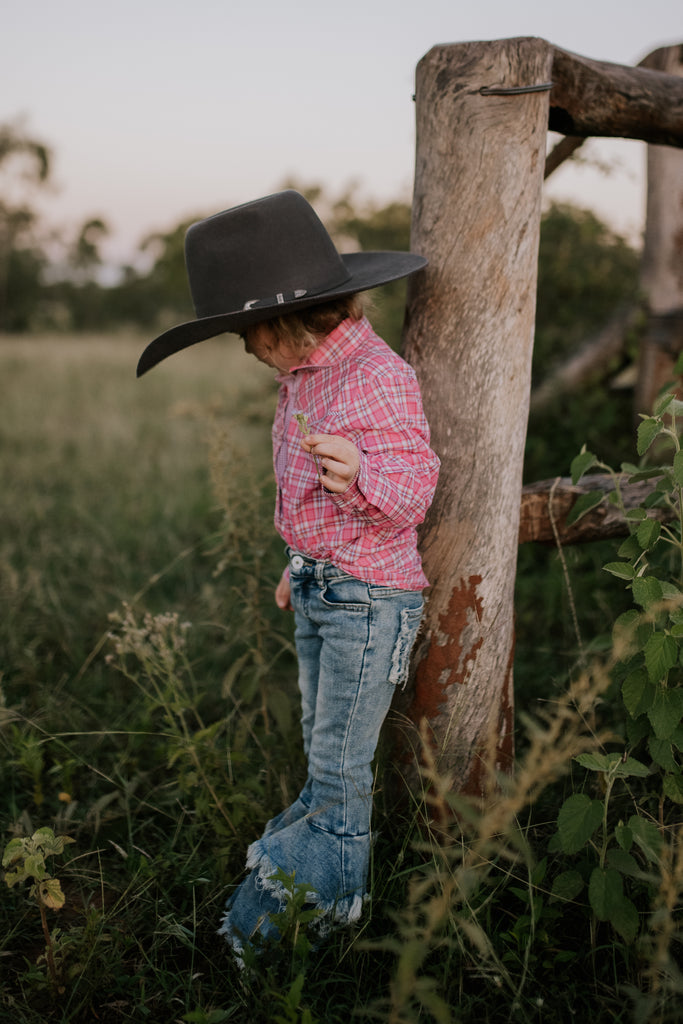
<point>353,643</point>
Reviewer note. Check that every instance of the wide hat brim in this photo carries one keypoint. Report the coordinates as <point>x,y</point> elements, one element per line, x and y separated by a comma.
<point>365,270</point>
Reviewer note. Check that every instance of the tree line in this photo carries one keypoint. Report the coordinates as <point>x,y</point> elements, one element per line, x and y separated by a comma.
<point>49,281</point>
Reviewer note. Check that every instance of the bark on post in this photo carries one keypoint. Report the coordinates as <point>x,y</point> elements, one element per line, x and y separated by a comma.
<point>469,334</point>
<point>661,275</point>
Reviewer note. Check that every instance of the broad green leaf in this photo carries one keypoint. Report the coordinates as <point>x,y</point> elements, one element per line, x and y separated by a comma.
<point>624,836</point>
<point>538,873</point>
<point>638,728</point>
<point>678,468</point>
<point>646,474</point>
<point>630,548</point>
<point>666,711</point>
<point>677,629</point>
<point>612,764</point>
<point>625,920</point>
<point>567,886</point>
<point>626,622</point>
<point>673,787</point>
<point>662,753</point>
<point>662,404</point>
<point>581,464</point>
<point>583,504</point>
<point>605,891</point>
<point>647,836</point>
<point>34,867</point>
<point>554,843</point>
<point>664,487</point>
<point>623,570</point>
<point>577,821</point>
<point>631,767</point>
<point>661,654</point>
<point>677,737</point>
<point>51,894</point>
<point>648,533</point>
<point>636,515</point>
<point>13,852</point>
<point>597,762</point>
<point>638,693</point>
<point>43,835</point>
<point>12,878</point>
<point>622,861</point>
<point>647,432</point>
<point>647,590</point>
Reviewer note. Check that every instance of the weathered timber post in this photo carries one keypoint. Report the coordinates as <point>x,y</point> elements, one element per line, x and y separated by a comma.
<point>661,275</point>
<point>469,333</point>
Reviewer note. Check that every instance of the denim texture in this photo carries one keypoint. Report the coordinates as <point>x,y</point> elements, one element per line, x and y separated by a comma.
<point>353,642</point>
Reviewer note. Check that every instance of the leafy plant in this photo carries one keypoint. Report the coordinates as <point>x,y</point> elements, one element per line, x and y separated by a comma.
<point>648,639</point>
<point>583,827</point>
<point>25,857</point>
<point>648,666</point>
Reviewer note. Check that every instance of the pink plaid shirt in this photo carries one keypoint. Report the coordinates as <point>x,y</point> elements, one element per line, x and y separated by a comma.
<point>355,386</point>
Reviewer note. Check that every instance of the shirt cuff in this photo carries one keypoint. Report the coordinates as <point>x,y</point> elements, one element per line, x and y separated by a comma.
<point>353,499</point>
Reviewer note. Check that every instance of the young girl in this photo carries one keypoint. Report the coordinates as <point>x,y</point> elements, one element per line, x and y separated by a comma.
<point>355,476</point>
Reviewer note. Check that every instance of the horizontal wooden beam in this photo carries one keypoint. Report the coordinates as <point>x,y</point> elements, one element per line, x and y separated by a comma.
<point>591,97</point>
<point>552,500</point>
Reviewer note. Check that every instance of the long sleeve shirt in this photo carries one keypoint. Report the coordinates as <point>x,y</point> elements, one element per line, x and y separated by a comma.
<point>353,385</point>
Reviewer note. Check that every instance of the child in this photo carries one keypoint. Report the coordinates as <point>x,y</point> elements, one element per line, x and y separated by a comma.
<point>355,475</point>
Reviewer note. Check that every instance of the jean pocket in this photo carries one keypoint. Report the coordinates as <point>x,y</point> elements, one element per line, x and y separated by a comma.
<point>405,641</point>
<point>345,592</point>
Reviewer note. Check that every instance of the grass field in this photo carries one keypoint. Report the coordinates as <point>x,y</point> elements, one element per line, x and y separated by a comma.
<point>148,711</point>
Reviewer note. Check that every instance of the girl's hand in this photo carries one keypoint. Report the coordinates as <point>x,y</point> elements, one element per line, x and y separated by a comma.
<point>338,458</point>
<point>283,593</point>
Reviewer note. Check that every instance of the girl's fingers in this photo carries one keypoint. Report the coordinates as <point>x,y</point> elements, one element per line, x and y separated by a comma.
<point>342,469</point>
<point>338,460</point>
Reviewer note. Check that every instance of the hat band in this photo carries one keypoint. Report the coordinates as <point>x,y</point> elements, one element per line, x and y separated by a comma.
<point>281,299</point>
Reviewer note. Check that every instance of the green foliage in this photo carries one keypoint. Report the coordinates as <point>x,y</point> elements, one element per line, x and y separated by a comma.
<point>616,853</point>
<point>162,747</point>
<point>25,858</point>
<point>649,637</point>
<point>24,169</point>
<point>585,273</point>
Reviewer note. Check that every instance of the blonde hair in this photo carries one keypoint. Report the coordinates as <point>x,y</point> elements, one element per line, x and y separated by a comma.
<point>303,331</point>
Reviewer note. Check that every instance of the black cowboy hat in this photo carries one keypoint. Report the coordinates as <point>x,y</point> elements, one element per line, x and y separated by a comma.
<point>261,260</point>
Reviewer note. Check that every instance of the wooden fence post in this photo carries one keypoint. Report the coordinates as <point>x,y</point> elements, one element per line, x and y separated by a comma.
<point>469,334</point>
<point>661,275</point>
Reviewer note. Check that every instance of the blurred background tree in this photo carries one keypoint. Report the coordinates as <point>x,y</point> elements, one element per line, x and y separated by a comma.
<point>586,274</point>
<point>24,169</point>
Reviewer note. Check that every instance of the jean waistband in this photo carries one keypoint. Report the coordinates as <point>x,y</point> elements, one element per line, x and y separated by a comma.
<point>317,567</point>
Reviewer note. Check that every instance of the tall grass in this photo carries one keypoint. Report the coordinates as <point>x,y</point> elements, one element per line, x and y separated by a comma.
<point>149,711</point>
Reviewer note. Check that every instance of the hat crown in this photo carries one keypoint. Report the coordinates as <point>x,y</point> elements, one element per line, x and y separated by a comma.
<point>266,250</point>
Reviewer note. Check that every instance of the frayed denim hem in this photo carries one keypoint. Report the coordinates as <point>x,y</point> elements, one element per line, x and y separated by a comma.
<point>337,912</point>
<point>248,914</point>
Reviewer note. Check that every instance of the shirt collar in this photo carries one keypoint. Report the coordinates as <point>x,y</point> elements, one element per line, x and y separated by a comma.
<point>340,344</point>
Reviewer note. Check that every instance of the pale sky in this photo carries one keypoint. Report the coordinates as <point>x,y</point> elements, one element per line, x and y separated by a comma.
<point>159,109</point>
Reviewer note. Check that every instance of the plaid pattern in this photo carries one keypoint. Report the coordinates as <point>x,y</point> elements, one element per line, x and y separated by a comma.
<point>355,386</point>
